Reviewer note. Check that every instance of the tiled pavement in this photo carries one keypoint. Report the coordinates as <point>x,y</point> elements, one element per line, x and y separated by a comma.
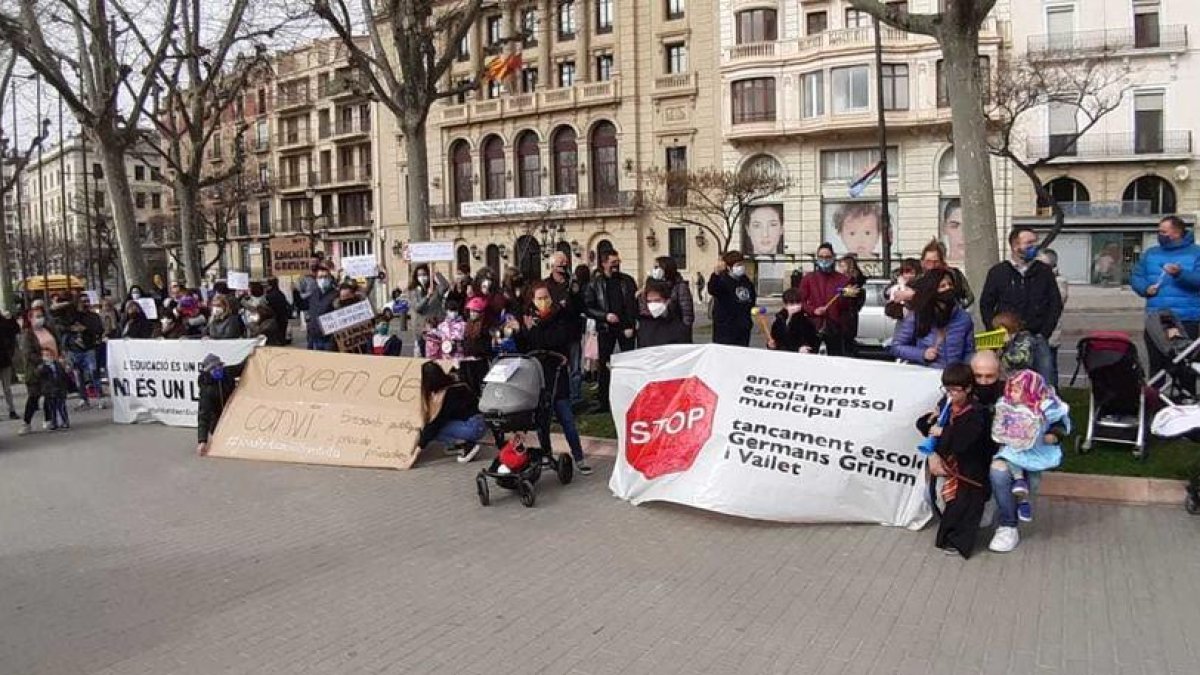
<point>121,552</point>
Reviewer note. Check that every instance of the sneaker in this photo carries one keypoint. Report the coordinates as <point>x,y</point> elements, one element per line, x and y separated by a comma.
<point>1005,540</point>
<point>468,453</point>
<point>12,415</point>
<point>949,550</point>
<point>46,426</point>
<point>101,404</point>
<point>1020,487</point>
<point>52,427</point>
<point>26,429</point>
<point>1025,512</point>
<point>452,450</point>
<point>583,467</point>
<point>83,405</point>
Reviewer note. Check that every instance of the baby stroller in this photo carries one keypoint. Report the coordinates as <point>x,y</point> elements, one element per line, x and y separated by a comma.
<point>1116,402</point>
<point>1176,382</point>
<point>518,396</point>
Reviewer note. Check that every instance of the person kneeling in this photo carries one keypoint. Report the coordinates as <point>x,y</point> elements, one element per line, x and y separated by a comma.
<point>792,331</point>
<point>451,412</point>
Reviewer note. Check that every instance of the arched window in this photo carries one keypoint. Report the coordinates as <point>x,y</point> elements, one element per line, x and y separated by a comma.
<point>460,158</point>
<point>493,168</point>
<point>948,166</point>
<point>492,259</point>
<point>762,165</point>
<point>1152,189</point>
<point>566,162</point>
<point>462,258</point>
<point>529,163</point>
<point>529,257</point>
<point>604,165</point>
<point>1066,191</point>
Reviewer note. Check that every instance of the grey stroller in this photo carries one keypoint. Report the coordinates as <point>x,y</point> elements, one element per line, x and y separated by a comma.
<point>1176,382</point>
<point>518,396</point>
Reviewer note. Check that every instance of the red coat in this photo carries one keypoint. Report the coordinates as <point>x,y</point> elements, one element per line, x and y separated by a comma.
<point>816,290</point>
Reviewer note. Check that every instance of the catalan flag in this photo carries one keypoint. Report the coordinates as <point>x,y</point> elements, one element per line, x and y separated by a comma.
<point>502,67</point>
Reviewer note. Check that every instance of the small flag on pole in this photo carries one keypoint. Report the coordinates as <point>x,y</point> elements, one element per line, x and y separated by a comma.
<point>859,185</point>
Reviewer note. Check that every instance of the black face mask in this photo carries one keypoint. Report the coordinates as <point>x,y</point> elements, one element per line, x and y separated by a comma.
<point>988,394</point>
<point>947,297</point>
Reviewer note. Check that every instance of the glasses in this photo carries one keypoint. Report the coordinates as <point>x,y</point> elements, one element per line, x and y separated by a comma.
<point>824,257</point>
<point>952,390</point>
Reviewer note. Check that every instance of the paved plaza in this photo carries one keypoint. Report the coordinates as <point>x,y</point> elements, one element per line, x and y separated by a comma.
<point>122,552</point>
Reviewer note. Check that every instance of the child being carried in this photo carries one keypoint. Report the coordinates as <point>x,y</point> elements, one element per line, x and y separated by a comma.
<point>1029,424</point>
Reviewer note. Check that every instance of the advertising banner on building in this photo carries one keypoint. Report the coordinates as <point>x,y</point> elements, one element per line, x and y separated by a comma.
<point>772,435</point>
<point>156,380</point>
<point>324,408</point>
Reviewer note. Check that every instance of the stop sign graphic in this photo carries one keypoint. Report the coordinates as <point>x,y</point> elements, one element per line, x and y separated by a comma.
<point>667,425</point>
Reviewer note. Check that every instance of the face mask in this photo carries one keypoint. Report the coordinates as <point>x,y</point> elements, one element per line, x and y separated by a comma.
<point>217,373</point>
<point>474,316</point>
<point>544,305</point>
<point>136,295</point>
<point>657,274</point>
<point>253,318</point>
<point>946,297</point>
<point>1164,240</point>
<point>39,322</point>
<point>451,315</point>
<point>657,309</point>
<point>1030,253</point>
<point>422,279</point>
<point>794,309</point>
<point>166,324</point>
<point>988,394</point>
<point>507,332</point>
<point>218,312</point>
<point>738,271</point>
<point>824,265</point>
<point>326,283</point>
<point>615,269</point>
<point>486,286</point>
<point>381,328</point>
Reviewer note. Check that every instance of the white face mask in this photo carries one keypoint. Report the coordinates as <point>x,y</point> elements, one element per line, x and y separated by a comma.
<point>218,312</point>
<point>657,309</point>
<point>486,286</point>
<point>136,295</point>
<point>451,315</point>
<point>422,279</point>
<point>253,318</point>
<point>166,323</point>
<point>738,271</point>
<point>657,274</point>
<point>794,309</point>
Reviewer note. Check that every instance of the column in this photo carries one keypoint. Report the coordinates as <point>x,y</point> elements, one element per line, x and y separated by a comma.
<point>476,40</point>
<point>545,35</point>
<point>583,41</point>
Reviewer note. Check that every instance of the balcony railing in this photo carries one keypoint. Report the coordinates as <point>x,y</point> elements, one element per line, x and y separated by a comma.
<point>352,127</point>
<point>320,178</point>
<point>293,181</point>
<point>1111,146</point>
<point>342,86</point>
<point>588,204</point>
<point>297,137</point>
<point>262,144</point>
<point>676,84</point>
<point>1090,42</point>
<point>354,174</point>
<point>292,99</point>
<point>1113,209</point>
<point>546,100</point>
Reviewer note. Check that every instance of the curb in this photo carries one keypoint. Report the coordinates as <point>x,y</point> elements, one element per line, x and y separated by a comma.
<point>1078,486</point>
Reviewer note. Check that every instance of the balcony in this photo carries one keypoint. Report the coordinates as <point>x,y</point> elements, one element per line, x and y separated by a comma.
<point>680,84</point>
<point>1130,212</point>
<point>841,123</point>
<point>290,100</point>
<point>343,86</point>
<point>261,185</point>
<point>262,144</point>
<point>548,100</point>
<point>625,202</point>
<point>1097,147</point>
<point>354,174</point>
<point>321,178</point>
<point>346,130</point>
<point>1126,41</point>
<point>290,140</point>
<point>292,182</point>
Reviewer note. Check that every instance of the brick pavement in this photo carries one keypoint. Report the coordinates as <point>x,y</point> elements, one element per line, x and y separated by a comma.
<point>123,553</point>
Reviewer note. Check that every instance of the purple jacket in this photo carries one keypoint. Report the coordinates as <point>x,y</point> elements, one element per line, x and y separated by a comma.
<point>957,347</point>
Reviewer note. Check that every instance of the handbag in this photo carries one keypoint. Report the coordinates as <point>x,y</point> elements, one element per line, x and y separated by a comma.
<point>591,347</point>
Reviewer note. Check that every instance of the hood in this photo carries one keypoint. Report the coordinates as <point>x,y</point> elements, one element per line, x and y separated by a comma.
<point>1188,240</point>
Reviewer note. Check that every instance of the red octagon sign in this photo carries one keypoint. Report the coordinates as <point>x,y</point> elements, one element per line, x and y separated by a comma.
<point>667,425</point>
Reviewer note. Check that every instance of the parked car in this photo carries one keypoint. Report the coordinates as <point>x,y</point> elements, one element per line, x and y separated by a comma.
<point>874,327</point>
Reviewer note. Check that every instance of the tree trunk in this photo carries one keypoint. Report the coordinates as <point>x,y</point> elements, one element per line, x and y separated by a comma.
<point>186,196</point>
<point>7,295</point>
<point>417,186</point>
<point>124,225</point>
<point>960,47</point>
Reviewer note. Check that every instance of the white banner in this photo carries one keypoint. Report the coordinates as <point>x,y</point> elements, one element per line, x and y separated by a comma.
<point>239,281</point>
<point>429,251</point>
<point>360,266</point>
<point>156,380</point>
<point>359,312</point>
<point>772,435</point>
<point>508,207</point>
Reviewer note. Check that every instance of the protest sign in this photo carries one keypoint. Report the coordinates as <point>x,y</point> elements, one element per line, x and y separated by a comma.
<point>149,308</point>
<point>289,256</point>
<point>324,408</point>
<point>239,281</point>
<point>338,319</point>
<point>431,251</point>
<point>360,266</point>
<point>155,380</point>
<point>772,435</point>
<point>352,340</point>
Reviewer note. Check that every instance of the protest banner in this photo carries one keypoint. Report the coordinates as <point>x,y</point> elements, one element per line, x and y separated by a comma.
<point>360,266</point>
<point>239,281</point>
<point>155,380</point>
<point>430,251</point>
<point>149,308</point>
<point>772,435</point>
<point>324,408</point>
<point>289,256</point>
<point>339,319</point>
<point>354,339</point>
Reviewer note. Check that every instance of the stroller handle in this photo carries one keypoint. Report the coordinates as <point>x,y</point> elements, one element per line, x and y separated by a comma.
<point>537,354</point>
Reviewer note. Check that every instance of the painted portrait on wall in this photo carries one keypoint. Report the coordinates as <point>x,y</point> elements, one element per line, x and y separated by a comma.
<point>762,230</point>
<point>950,231</point>
<point>856,227</point>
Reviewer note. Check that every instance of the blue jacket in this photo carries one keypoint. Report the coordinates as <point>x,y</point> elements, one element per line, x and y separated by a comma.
<point>1180,294</point>
<point>958,346</point>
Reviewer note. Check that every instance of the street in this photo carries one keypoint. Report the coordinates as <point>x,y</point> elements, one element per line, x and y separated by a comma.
<point>125,553</point>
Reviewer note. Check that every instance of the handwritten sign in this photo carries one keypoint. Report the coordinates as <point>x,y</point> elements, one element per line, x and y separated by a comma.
<point>339,319</point>
<point>239,281</point>
<point>430,251</point>
<point>324,408</point>
<point>352,340</point>
<point>149,308</point>
<point>289,256</point>
<point>360,266</point>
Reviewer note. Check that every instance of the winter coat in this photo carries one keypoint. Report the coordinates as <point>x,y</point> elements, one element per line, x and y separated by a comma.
<point>278,303</point>
<point>83,332</point>
<point>817,289</point>
<point>10,331</point>
<point>213,397</point>
<point>671,328</point>
<point>792,333</point>
<point>429,303</point>
<point>599,305</point>
<point>230,327</point>
<point>1179,294</point>
<point>31,359</point>
<point>553,334</point>
<point>1033,296</point>
<point>319,305</point>
<point>268,328</point>
<point>139,328</point>
<point>957,345</point>
<point>732,298</point>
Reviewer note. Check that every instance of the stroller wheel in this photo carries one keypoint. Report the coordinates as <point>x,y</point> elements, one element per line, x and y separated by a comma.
<point>566,468</point>
<point>1139,453</point>
<point>481,487</point>
<point>526,493</point>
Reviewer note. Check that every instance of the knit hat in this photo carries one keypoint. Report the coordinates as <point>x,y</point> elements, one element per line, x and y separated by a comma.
<point>477,304</point>
<point>211,361</point>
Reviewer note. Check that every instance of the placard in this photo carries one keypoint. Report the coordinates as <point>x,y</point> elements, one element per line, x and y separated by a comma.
<point>430,251</point>
<point>324,408</point>
<point>289,256</point>
<point>352,340</point>
<point>149,308</point>
<point>360,266</point>
<point>338,319</point>
<point>239,281</point>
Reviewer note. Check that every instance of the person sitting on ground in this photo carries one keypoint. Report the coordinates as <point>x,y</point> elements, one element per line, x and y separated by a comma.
<point>939,332</point>
<point>1020,351</point>
<point>961,455</point>
<point>451,414</point>
<point>792,331</point>
<point>659,321</point>
<point>224,324</point>
<point>217,382</point>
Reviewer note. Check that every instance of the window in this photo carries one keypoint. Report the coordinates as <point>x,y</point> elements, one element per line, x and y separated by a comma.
<point>948,166</point>
<point>99,199</point>
<point>755,25</point>
<point>1145,24</point>
<point>155,200</point>
<point>264,216</point>
<point>1064,128</point>
<point>529,27</point>
<point>529,163</point>
<point>460,157</point>
<point>676,54</point>
<point>566,74</point>
<point>857,19</point>
<point>139,172</point>
<point>529,80</point>
<point>566,20</point>
<point>816,22</point>
<point>604,66</point>
<point>97,172</point>
<point>1066,191</point>
<point>845,165</point>
<point>464,48</point>
<point>851,90</point>
<point>985,73</point>
<point>674,9</point>
<point>1147,122</point>
<point>566,159</point>
<point>262,102</point>
<point>895,86</point>
<point>493,168</point>
<point>463,87</point>
<point>1060,28</point>
<point>605,185</point>
<point>677,246</point>
<point>753,100</point>
<point>812,94</point>
<point>604,16</point>
<point>901,6</point>
<point>154,174</point>
<point>1157,191</point>
<point>677,176</point>
<point>261,134</point>
<point>493,32</point>
<point>243,224</point>
<point>139,200</point>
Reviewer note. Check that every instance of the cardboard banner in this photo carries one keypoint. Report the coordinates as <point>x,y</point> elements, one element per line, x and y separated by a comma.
<point>772,435</point>
<point>430,251</point>
<point>156,380</point>
<point>346,317</point>
<point>354,339</point>
<point>324,408</point>
<point>360,266</point>
<point>289,256</point>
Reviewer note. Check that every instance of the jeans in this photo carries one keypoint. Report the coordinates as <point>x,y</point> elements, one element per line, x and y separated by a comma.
<point>608,342</point>
<point>84,365</point>
<point>461,431</point>
<point>1002,482</point>
<point>1042,360</point>
<point>31,408</point>
<point>1054,367</point>
<point>6,380</point>
<point>319,344</point>
<point>575,364</point>
<point>566,419</point>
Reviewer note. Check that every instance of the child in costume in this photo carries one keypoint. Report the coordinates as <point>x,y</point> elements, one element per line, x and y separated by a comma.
<point>1029,424</point>
<point>446,340</point>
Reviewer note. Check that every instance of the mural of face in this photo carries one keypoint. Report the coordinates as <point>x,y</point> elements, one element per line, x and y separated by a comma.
<point>860,233</point>
<point>953,235</point>
<point>764,228</point>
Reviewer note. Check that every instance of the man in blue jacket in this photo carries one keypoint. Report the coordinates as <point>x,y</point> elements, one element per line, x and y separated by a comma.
<point>1168,276</point>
